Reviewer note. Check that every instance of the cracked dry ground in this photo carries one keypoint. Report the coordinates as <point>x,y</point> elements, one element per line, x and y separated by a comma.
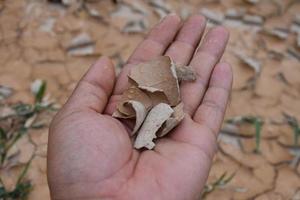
<point>57,43</point>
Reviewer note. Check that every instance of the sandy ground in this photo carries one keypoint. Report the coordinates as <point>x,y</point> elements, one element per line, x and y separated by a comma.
<point>57,43</point>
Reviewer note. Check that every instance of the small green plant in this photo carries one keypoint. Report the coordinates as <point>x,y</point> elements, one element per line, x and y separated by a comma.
<point>220,182</point>
<point>22,113</point>
<point>40,92</point>
<point>13,126</point>
<point>256,122</point>
<point>258,125</point>
<point>22,188</point>
<point>293,123</point>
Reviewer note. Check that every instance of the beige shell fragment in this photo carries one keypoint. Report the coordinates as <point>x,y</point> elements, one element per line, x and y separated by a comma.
<point>158,75</point>
<point>157,97</point>
<point>118,114</point>
<point>153,99</point>
<point>132,93</point>
<point>185,73</point>
<point>154,120</point>
<point>140,112</point>
<point>173,121</point>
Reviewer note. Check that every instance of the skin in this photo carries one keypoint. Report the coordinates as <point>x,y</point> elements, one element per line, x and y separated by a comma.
<point>90,154</point>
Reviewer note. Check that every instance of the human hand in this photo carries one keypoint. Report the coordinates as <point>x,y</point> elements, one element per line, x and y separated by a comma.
<point>90,153</point>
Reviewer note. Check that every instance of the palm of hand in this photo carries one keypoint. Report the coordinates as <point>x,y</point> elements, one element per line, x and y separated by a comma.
<point>90,153</point>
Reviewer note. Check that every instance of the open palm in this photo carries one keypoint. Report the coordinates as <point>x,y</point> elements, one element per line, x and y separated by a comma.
<point>90,154</point>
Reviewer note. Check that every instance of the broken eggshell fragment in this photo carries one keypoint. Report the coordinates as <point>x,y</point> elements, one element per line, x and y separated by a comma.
<point>173,121</point>
<point>185,73</point>
<point>154,120</point>
<point>140,112</point>
<point>132,93</point>
<point>158,75</point>
<point>153,98</point>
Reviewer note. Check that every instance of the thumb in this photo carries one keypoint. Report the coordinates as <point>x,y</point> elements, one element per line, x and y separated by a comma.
<point>95,87</point>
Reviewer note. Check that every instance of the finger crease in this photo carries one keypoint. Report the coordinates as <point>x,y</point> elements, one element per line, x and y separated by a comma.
<point>212,104</point>
<point>207,127</point>
<point>227,90</point>
<point>94,84</point>
<point>208,56</point>
<point>186,44</point>
<point>100,94</point>
<point>161,44</point>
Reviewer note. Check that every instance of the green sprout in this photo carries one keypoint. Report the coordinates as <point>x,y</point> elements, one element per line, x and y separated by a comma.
<point>40,92</point>
<point>292,121</point>
<point>220,182</point>
<point>258,126</point>
<point>256,122</point>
